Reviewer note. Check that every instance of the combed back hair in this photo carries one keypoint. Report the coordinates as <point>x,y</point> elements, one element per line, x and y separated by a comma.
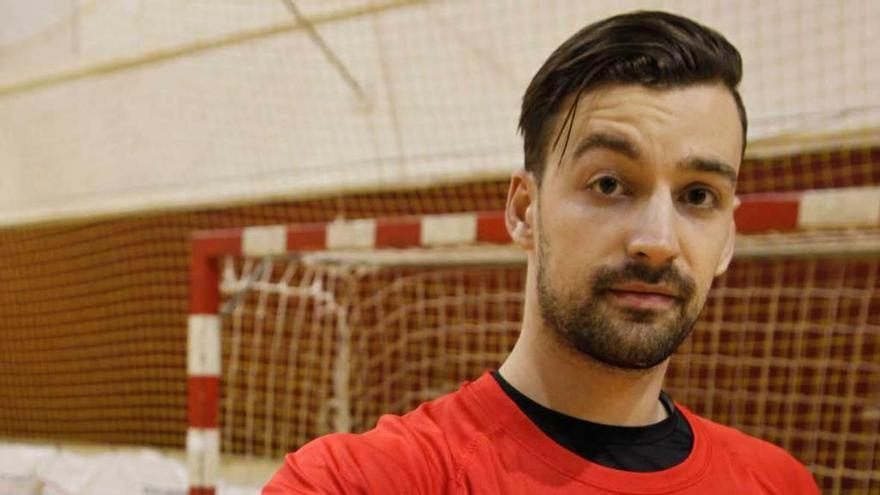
<point>652,49</point>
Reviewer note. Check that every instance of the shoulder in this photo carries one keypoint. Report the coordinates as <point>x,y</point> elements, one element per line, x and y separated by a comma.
<point>412,453</point>
<point>768,463</point>
<point>747,448</point>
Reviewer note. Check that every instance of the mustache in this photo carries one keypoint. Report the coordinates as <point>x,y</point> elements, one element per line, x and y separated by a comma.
<point>606,277</point>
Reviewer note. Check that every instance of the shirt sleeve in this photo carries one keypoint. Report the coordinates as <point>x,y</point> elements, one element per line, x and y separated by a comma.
<point>803,480</point>
<point>388,460</point>
<point>783,471</point>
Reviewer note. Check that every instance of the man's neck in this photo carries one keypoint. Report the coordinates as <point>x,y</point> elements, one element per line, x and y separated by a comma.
<point>562,379</point>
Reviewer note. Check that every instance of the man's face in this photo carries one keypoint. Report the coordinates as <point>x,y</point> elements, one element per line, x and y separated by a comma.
<point>637,219</point>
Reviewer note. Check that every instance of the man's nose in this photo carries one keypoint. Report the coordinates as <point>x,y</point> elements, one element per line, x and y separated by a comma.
<point>653,236</point>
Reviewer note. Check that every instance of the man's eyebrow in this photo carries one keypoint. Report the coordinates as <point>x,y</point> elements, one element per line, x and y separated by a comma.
<point>621,145</point>
<point>698,164</point>
<point>601,140</point>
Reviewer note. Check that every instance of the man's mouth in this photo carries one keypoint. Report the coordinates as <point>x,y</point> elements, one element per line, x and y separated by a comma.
<point>643,296</point>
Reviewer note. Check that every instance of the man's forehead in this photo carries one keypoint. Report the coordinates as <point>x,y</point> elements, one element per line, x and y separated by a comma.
<point>698,120</point>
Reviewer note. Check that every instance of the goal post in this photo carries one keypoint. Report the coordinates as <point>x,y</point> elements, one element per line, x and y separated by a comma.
<point>204,353</point>
<point>324,326</point>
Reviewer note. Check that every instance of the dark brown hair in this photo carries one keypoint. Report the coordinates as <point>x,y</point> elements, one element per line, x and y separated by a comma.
<point>653,49</point>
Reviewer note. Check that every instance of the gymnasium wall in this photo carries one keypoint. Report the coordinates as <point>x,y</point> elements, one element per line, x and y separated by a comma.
<point>115,107</point>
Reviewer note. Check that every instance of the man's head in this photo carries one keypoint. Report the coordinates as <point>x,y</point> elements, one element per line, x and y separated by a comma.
<point>652,49</point>
<point>633,136</point>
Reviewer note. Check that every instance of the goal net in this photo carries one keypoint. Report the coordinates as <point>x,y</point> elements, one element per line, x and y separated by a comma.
<point>323,341</point>
<point>321,344</point>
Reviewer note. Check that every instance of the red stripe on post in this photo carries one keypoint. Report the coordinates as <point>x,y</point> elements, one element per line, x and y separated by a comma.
<point>305,237</point>
<point>204,274</point>
<point>398,233</point>
<point>217,243</point>
<point>202,401</point>
<point>201,491</point>
<point>762,212</point>
<point>491,228</point>
<point>204,285</point>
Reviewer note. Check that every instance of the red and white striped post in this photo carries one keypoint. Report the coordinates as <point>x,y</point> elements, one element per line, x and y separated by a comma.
<point>203,359</point>
<point>758,212</point>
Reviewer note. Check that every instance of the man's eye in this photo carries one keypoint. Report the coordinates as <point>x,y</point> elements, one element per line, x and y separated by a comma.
<point>700,197</point>
<point>607,186</point>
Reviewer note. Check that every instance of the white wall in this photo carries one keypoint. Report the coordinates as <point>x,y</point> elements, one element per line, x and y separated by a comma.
<point>134,105</point>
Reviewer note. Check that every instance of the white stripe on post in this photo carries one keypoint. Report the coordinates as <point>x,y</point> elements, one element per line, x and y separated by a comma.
<point>445,230</point>
<point>352,234</point>
<point>203,345</point>
<point>264,241</point>
<point>203,456</point>
<point>850,206</point>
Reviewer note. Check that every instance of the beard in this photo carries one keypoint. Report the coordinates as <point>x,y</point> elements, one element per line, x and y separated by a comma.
<point>622,338</point>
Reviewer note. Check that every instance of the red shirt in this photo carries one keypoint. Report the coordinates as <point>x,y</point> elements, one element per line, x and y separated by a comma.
<point>476,440</point>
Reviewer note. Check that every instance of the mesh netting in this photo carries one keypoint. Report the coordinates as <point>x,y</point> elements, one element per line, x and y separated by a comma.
<point>788,349</point>
<point>93,326</point>
<point>115,108</point>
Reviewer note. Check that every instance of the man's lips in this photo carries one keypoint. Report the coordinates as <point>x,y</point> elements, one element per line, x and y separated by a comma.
<point>643,296</point>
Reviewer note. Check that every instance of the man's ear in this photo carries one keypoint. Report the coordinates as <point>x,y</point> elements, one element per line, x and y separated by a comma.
<point>729,244</point>
<point>519,214</point>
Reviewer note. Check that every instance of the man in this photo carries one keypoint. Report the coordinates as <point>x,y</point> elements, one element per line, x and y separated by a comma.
<point>634,133</point>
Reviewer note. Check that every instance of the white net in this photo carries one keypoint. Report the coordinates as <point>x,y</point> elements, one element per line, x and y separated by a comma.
<point>787,349</point>
<point>329,345</point>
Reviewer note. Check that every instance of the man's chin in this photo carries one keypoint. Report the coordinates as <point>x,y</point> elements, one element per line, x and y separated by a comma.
<point>627,346</point>
<point>624,315</point>
<point>629,367</point>
<point>641,316</point>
